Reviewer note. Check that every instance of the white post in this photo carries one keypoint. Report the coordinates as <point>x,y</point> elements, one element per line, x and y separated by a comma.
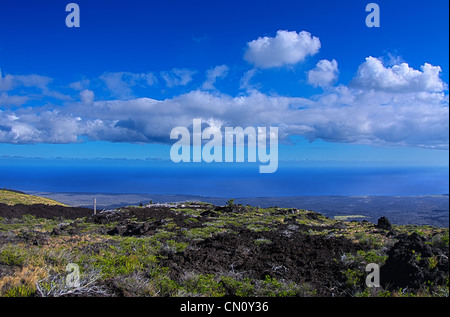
<point>95,206</point>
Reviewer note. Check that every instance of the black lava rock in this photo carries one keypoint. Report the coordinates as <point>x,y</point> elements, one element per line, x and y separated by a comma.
<point>384,223</point>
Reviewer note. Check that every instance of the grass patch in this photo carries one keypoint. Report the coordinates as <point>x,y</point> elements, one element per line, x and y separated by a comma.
<point>13,198</point>
<point>203,233</point>
<point>348,217</point>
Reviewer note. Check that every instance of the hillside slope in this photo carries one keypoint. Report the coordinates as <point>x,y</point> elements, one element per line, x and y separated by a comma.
<point>10,197</point>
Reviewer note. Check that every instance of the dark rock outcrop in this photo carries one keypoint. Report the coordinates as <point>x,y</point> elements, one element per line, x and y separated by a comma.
<point>412,262</point>
<point>384,223</point>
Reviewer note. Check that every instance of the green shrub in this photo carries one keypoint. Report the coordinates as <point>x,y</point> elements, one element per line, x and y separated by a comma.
<point>205,285</point>
<point>273,288</point>
<point>372,257</point>
<point>374,292</point>
<point>230,203</point>
<point>14,256</point>
<point>20,291</point>
<point>163,284</point>
<point>243,288</point>
<point>432,262</point>
<point>174,246</point>
<point>353,277</point>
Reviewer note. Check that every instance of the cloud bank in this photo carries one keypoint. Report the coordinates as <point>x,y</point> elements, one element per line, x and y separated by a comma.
<point>382,105</point>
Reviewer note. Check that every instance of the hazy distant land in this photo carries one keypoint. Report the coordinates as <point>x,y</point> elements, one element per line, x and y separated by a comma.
<point>418,210</point>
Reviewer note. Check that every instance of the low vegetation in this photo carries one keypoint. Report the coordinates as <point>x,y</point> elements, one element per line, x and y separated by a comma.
<point>11,197</point>
<point>198,249</point>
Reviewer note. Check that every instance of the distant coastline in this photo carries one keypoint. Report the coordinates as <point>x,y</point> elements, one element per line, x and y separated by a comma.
<point>414,210</point>
<point>406,194</point>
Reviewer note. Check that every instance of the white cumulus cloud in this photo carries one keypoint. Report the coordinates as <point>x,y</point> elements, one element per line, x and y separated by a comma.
<point>286,48</point>
<point>325,73</point>
<point>401,78</point>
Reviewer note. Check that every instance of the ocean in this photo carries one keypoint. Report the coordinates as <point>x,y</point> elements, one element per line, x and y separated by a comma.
<point>221,181</point>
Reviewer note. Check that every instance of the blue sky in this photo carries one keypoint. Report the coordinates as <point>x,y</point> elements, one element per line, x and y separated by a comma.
<point>133,70</point>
